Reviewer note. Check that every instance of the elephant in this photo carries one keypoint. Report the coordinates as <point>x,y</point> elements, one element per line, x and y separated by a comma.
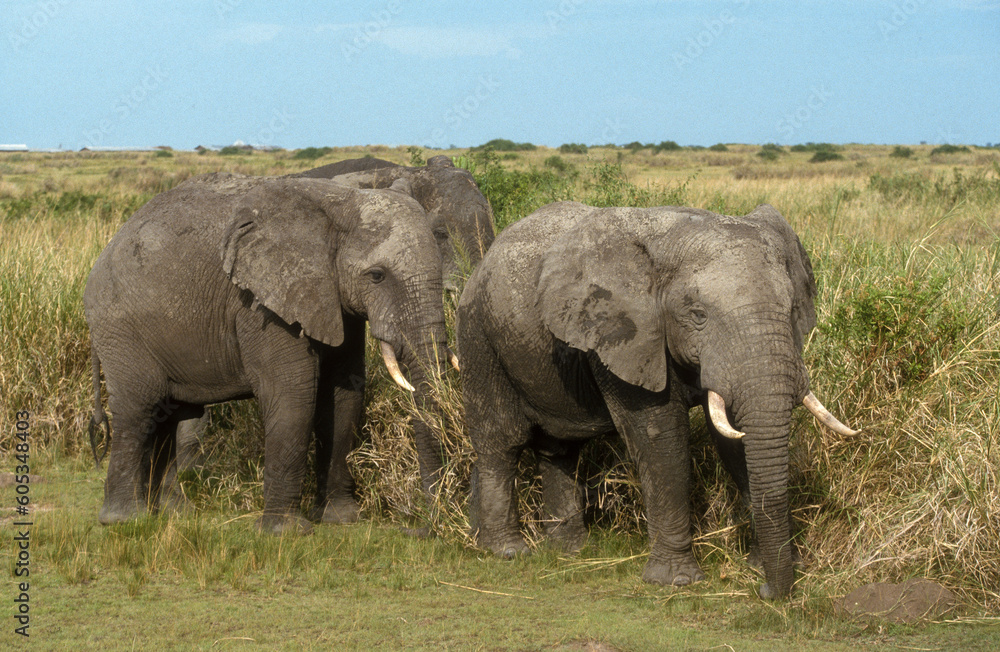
<point>458,213</point>
<point>228,287</point>
<point>583,321</point>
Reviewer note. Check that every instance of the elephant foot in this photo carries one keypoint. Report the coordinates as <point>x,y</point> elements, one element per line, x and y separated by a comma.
<point>173,501</point>
<point>110,515</point>
<point>280,524</point>
<point>680,570</point>
<point>566,536</point>
<point>507,549</point>
<point>768,593</point>
<point>422,532</point>
<point>338,511</point>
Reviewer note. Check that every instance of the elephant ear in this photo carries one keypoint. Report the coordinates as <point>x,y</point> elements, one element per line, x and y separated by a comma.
<point>596,293</point>
<point>798,267</point>
<point>279,246</point>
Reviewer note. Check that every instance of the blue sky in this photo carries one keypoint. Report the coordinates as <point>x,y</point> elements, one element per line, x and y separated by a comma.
<point>181,73</point>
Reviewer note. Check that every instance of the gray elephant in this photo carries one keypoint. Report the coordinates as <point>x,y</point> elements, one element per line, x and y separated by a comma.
<point>228,287</point>
<point>458,213</point>
<point>581,321</point>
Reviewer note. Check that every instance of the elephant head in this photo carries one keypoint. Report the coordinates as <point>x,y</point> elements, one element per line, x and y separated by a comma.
<point>372,258</point>
<point>459,215</point>
<point>301,246</point>
<point>726,302</point>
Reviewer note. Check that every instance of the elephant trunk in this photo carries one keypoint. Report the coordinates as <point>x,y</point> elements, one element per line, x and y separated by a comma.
<point>425,365</point>
<point>767,424</point>
<point>762,381</point>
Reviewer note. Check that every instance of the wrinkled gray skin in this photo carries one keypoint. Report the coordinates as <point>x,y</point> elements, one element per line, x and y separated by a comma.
<point>458,213</point>
<point>228,287</point>
<point>581,321</point>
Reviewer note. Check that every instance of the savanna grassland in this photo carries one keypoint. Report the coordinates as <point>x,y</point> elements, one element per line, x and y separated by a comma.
<point>906,252</point>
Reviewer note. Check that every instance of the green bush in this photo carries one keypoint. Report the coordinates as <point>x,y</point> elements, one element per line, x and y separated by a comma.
<point>901,152</point>
<point>514,193</point>
<point>558,164</point>
<point>666,146</point>
<point>231,150</point>
<point>949,149</point>
<point>770,152</point>
<point>980,188</point>
<point>312,153</point>
<point>816,147</point>
<point>824,155</point>
<point>504,145</point>
<point>416,156</point>
<point>904,327</point>
<point>163,153</point>
<point>718,147</point>
<point>573,148</point>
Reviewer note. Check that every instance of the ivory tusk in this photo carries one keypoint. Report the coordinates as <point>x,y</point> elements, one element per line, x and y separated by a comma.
<point>824,416</point>
<point>453,359</point>
<point>717,413</point>
<point>389,357</point>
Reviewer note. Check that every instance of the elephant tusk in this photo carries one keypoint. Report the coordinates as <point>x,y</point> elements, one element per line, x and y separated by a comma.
<point>389,357</point>
<point>717,413</point>
<point>824,416</point>
<point>453,359</point>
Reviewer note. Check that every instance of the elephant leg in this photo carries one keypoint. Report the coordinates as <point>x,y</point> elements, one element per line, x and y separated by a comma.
<point>499,432</point>
<point>134,451</point>
<point>339,412</point>
<point>656,429</point>
<point>562,499</point>
<point>185,427</point>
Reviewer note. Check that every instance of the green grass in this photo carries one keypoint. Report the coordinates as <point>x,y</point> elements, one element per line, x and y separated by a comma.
<point>907,259</point>
<point>369,586</point>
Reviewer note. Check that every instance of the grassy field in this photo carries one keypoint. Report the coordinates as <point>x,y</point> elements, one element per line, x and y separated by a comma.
<point>906,252</point>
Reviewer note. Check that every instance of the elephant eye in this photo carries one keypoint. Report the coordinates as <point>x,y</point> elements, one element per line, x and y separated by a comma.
<point>441,234</point>
<point>699,316</point>
<point>376,275</point>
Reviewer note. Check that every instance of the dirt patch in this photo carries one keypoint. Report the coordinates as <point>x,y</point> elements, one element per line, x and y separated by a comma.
<point>913,600</point>
<point>585,646</point>
<point>9,479</point>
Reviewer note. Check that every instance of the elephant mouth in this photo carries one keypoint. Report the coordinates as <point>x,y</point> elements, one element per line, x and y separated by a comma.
<point>717,414</point>
<point>392,364</point>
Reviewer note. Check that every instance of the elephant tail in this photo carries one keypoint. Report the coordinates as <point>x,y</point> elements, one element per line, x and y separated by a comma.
<point>98,420</point>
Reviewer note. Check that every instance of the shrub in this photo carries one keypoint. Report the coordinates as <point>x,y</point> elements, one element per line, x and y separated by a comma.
<point>230,150</point>
<point>573,148</point>
<point>416,156</point>
<point>718,147</point>
<point>163,153</point>
<point>901,152</point>
<point>824,155</point>
<point>915,188</point>
<point>770,152</point>
<point>666,146</point>
<point>312,153</point>
<point>558,164</point>
<point>816,147</point>
<point>504,145</point>
<point>513,193</point>
<point>949,149</point>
